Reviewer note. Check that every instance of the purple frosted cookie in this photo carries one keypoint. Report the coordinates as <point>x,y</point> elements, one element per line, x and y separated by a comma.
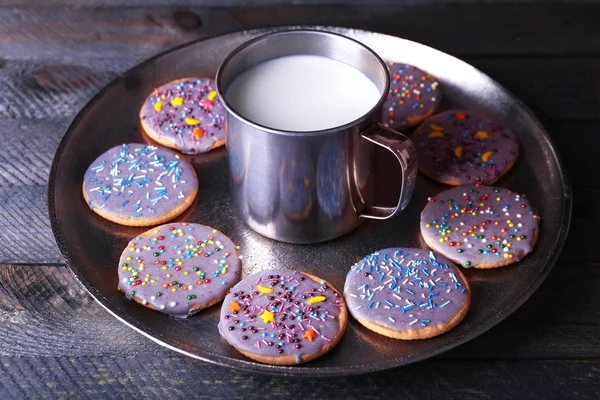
<point>479,226</point>
<point>283,317</point>
<point>461,147</point>
<point>179,269</point>
<point>297,185</point>
<point>139,185</point>
<point>414,95</point>
<point>185,115</point>
<point>407,293</point>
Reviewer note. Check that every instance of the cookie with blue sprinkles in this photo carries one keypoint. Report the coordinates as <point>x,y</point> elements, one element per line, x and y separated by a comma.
<point>179,268</point>
<point>283,317</point>
<point>139,185</point>
<point>407,294</point>
<point>480,226</point>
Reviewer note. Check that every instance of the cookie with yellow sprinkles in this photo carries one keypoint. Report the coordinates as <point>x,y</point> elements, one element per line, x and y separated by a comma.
<point>185,115</point>
<point>480,226</point>
<point>283,317</point>
<point>179,269</point>
<point>465,147</point>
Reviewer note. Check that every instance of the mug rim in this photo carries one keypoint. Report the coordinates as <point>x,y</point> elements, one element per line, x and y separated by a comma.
<point>285,132</point>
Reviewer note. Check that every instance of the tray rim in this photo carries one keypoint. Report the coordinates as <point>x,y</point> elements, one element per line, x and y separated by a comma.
<point>305,370</point>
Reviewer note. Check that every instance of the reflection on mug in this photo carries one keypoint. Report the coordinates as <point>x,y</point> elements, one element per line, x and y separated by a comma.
<point>332,179</point>
<point>237,163</point>
<point>362,166</point>
<point>261,186</point>
<point>296,184</point>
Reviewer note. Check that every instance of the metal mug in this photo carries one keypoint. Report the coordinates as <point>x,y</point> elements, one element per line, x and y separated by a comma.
<point>309,187</point>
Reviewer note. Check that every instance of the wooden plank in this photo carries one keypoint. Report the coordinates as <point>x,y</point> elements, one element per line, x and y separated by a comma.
<point>149,377</point>
<point>584,237</point>
<point>44,311</point>
<point>466,30</point>
<point>576,144</point>
<point>26,155</point>
<point>245,3</point>
<point>49,90</point>
<point>565,303</point>
<point>25,231</point>
<point>556,89</point>
<point>103,36</point>
<point>132,34</point>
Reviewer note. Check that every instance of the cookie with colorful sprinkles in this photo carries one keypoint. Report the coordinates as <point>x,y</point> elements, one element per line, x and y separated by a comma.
<point>139,185</point>
<point>283,317</point>
<point>185,115</point>
<point>462,147</point>
<point>480,226</point>
<point>179,269</point>
<point>407,293</point>
<point>414,95</point>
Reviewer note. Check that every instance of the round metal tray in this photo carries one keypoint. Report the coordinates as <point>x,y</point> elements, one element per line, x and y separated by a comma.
<point>91,245</point>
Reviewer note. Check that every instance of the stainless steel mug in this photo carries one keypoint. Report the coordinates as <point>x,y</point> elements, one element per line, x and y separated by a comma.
<point>309,187</point>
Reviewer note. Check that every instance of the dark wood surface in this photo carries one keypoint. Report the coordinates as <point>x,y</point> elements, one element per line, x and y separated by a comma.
<point>56,342</point>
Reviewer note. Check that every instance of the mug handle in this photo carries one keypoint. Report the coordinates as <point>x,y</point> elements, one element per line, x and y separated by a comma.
<point>406,154</point>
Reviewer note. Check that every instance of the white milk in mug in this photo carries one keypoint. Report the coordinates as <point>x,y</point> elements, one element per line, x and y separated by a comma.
<point>302,93</point>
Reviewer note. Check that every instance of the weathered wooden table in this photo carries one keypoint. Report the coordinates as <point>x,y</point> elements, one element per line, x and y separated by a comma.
<point>56,342</point>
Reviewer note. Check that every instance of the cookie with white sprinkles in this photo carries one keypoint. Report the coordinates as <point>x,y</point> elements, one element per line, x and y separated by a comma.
<point>179,269</point>
<point>185,115</point>
<point>407,293</point>
<point>283,317</point>
<point>414,95</point>
<point>139,185</point>
<point>480,226</point>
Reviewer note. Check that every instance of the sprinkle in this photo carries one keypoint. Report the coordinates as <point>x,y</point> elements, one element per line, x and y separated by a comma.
<point>264,289</point>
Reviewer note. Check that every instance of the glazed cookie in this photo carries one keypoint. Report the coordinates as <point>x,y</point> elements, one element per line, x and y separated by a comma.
<point>479,226</point>
<point>407,293</point>
<point>179,269</point>
<point>283,317</point>
<point>185,115</point>
<point>465,147</point>
<point>139,185</point>
<point>414,95</point>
